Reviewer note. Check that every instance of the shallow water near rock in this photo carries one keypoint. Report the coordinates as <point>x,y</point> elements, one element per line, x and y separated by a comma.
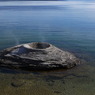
<point>69,26</point>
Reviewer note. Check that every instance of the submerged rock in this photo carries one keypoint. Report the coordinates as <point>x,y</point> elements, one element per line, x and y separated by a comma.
<point>37,56</point>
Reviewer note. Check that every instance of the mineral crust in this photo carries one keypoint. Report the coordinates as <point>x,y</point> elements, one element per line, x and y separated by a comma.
<point>37,56</point>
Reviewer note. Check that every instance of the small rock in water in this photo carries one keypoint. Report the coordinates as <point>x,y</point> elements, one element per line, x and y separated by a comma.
<point>37,56</point>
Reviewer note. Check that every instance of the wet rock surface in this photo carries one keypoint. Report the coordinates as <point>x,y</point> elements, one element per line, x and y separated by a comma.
<point>37,56</point>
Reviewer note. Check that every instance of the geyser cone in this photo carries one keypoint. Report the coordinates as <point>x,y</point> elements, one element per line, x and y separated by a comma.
<point>37,56</point>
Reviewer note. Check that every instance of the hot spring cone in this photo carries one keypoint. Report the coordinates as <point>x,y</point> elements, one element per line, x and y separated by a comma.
<point>37,56</point>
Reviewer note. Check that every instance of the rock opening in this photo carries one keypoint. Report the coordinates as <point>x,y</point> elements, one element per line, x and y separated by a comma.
<point>39,45</point>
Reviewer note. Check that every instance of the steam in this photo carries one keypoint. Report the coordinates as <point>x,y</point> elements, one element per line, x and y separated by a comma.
<point>43,32</point>
<point>41,35</point>
<point>14,37</point>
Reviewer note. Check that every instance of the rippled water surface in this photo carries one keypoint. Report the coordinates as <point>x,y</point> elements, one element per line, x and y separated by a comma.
<point>69,25</point>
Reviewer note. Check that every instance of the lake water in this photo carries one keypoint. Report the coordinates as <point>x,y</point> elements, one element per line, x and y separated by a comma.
<point>69,25</point>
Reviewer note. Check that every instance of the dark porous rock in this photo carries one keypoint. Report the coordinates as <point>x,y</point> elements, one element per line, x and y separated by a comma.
<point>37,56</point>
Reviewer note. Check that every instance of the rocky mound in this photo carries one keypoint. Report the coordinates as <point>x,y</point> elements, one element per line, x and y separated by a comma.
<point>37,56</point>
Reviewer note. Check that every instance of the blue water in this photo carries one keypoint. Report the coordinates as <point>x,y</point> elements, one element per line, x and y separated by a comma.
<point>66,24</point>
